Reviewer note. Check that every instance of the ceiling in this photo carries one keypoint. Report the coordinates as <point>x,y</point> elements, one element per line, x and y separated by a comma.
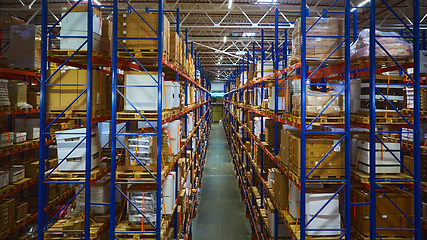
<point>208,21</point>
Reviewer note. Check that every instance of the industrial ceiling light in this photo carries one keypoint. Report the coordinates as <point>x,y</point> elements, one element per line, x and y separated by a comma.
<point>267,1</point>
<point>220,57</point>
<point>361,4</point>
<point>225,38</point>
<point>229,3</point>
<point>249,34</point>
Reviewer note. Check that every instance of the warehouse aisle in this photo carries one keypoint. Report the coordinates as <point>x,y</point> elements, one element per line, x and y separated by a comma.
<point>221,213</point>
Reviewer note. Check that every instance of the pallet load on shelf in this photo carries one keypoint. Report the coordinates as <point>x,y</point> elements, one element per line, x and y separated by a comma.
<point>105,134</point>
<point>268,68</point>
<point>16,173</point>
<point>175,49</point>
<point>25,45</point>
<point>99,193</point>
<point>423,61</point>
<point>169,193</point>
<point>317,101</point>
<point>132,26</point>
<point>284,143</point>
<point>17,91</point>
<point>408,161</point>
<point>395,45</point>
<point>106,36</point>
<point>270,131</point>
<point>6,139</point>
<point>74,24</point>
<point>29,125</point>
<point>384,159</point>
<point>387,84</point>
<point>174,135</point>
<point>145,98</point>
<point>33,98</point>
<point>387,215</point>
<point>283,99</point>
<point>184,59</point>
<point>4,178</point>
<point>6,21</point>
<point>21,211</point>
<point>4,93</point>
<point>68,140</point>
<point>144,198</point>
<point>328,218</point>
<point>144,147</point>
<point>66,85</point>
<point>316,148</point>
<point>321,46</point>
<point>8,213</point>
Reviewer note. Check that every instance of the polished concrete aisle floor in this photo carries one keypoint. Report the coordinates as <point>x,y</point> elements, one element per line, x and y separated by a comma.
<point>221,213</point>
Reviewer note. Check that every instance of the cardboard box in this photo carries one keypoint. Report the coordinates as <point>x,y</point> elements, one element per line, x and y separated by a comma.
<point>270,132</point>
<point>17,93</point>
<point>67,85</point>
<point>25,45</point>
<point>281,189</point>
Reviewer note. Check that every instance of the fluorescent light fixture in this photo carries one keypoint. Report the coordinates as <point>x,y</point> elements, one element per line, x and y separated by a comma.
<point>97,2</point>
<point>229,3</point>
<point>220,57</point>
<point>361,4</point>
<point>248,34</point>
<point>240,53</point>
<point>225,38</point>
<point>267,1</point>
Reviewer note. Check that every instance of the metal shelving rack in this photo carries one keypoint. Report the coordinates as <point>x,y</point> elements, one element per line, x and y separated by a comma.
<point>244,161</point>
<point>201,111</point>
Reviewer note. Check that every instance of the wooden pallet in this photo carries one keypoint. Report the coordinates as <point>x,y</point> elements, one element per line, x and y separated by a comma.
<point>364,177</point>
<point>74,176</point>
<point>390,113</point>
<point>5,190</point>
<point>8,108</point>
<point>320,120</point>
<point>124,226</point>
<point>142,54</point>
<point>80,55</point>
<point>77,114</point>
<point>382,60</point>
<point>56,234</point>
<point>149,115</point>
<point>380,120</point>
<point>296,176</point>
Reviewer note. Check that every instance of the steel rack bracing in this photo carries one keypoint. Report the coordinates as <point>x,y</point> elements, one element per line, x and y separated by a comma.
<point>323,72</point>
<point>201,111</point>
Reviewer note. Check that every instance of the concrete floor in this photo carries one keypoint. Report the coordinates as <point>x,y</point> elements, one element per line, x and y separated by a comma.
<point>221,213</point>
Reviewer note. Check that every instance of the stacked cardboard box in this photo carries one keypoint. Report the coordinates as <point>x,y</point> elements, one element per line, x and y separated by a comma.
<point>18,93</point>
<point>316,150</point>
<point>385,162</point>
<point>387,215</point>
<point>25,45</point>
<point>16,173</point>
<point>67,85</point>
<point>4,93</point>
<point>29,125</point>
<point>99,193</point>
<point>21,210</point>
<point>169,193</point>
<point>319,47</point>
<point>75,24</point>
<point>6,21</point>
<point>394,93</point>
<point>174,135</point>
<point>72,147</point>
<point>316,102</point>
<point>132,26</point>
<point>7,213</point>
<point>328,218</point>
<point>106,36</point>
<point>175,49</point>
<point>6,139</point>
<point>285,134</point>
<point>408,161</point>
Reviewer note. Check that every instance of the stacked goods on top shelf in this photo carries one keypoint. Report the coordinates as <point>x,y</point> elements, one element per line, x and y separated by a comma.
<point>65,86</point>
<point>144,197</point>
<point>268,68</point>
<point>145,98</point>
<point>324,42</point>
<point>29,125</point>
<point>389,88</point>
<point>385,162</point>
<point>6,21</point>
<point>396,46</point>
<point>25,45</point>
<point>71,146</point>
<point>75,24</point>
<point>132,26</point>
<point>387,215</point>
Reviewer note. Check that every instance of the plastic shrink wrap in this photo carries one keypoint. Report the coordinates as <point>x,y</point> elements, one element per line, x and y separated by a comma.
<point>395,45</point>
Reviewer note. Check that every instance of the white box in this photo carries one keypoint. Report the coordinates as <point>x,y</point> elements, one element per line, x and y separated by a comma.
<point>169,203</point>
<point>4,178</point>
<point>175,145</point>
<point>315,201</point>
<point>177,95</point>
<point>378,146</point>
<point>282,231</point>
<point>379,168</point>
<point>75,24</point>
<point>16,173</point>
<point>323,222</point>
<point>294,206</point>
<point>355,90</point>
<point>20,137</point>
<point>6,139</point>
<point>174,128</point>
<point>104,134</point>
<point>378,161</point>
<point>168,186</point>
<point>79,163</point>
<point>169,94</point>
<point>143,98</point>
